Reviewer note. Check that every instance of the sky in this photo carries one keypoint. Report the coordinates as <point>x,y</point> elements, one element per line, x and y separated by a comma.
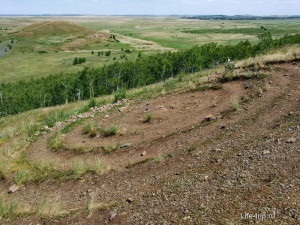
<point>151,7</point>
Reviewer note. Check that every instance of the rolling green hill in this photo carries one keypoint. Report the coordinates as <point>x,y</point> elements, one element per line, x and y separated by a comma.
<point>52,28</point>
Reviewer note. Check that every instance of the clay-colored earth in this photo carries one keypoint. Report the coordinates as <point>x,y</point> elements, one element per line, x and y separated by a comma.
<point>179,168</point>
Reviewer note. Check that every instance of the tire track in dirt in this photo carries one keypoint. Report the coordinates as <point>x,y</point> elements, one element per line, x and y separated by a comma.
<point>213,175</point>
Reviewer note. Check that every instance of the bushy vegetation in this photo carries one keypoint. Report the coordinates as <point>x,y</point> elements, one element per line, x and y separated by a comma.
<point>79,60</point>
<point>120,94</point>
<point>91,130</point>
<point>111,131</point>
<point>148,118</point>
<point>91,82</point>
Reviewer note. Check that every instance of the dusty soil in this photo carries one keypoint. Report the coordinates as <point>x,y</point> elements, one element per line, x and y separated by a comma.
<point>179,168</point>
<point>141,44</point>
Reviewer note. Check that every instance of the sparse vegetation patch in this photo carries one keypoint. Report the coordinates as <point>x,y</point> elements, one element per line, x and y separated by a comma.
<point>56,142</point>
<point>6,209</point>
<point>148,118</point>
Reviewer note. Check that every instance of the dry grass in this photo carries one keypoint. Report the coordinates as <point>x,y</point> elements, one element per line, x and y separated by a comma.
<point>288,53</point>
<point>49,207</point>
<point>17,131</point>
<point>234,104</point>
<point>6,208</point>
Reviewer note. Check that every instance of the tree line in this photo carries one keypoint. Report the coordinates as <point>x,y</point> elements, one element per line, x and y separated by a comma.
<point>92,82</point>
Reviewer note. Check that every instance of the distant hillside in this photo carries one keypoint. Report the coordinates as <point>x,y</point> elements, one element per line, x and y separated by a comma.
<point>58,35</point>
<point>241,17</point>
<point>49,28</point>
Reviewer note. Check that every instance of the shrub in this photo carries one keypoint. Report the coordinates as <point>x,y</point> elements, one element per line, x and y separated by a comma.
<point>90,129</point>
<point>107,150</point>
<point>79,60</point>
<point>235,105</point>
<point>148,118</point>
<point>216,86</point>
<point>120,94</point>
<point>51,120</point>
<point>229,66</point>
<point>112,130</point>
<point>42,51</point>
<point>92,103</point>
<point>128,51</point>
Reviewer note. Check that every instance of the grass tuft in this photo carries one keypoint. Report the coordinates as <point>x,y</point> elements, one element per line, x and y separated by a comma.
<point>91,130</point>
<point>79,168</point>
<point>159,158</point>
<point>6,209</point>
<point>56,142</point>
<point>148,118</point>
<point>99,167</point>
<point>22,176</point>
<point>235,105</point>
<point>109,149</point>
<point>111,131</point>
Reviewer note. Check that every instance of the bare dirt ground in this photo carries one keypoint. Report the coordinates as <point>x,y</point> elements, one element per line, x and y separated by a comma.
<point>240,168</point>
<point>141,44</point>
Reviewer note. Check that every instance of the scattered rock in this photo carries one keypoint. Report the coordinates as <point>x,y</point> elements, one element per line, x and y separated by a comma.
<point>126,145</point>
<point>112,215</point>
<point>209,117</point>
<point>129,200</point>
<point>291,140</point>
<point>278,141</point>
<point>223,127</point>
<point>106,116</point>
<point>160,107</point>
<point>247,85</point>
<point>143,153</point>
<point>13,189</point>
<point>122,109</point>
<point>266,152</point>
<point>186,218</point>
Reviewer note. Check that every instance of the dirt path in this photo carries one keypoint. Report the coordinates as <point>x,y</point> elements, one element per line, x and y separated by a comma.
<point>192,172</point>
<point>169,118</point>
<point>140,44</point>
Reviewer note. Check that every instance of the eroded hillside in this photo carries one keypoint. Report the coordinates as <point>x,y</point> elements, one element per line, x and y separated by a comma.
<point>206,156</point>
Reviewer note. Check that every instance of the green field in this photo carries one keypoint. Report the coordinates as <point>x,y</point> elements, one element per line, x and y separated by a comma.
<point>64,38</point>
<point>179,33</point>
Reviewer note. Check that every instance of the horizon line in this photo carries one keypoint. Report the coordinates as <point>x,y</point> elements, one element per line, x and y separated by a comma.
<point>180,15</point>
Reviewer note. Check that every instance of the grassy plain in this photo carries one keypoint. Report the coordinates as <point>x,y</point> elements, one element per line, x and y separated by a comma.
<point>70,37</point>
<point>174,32</point>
